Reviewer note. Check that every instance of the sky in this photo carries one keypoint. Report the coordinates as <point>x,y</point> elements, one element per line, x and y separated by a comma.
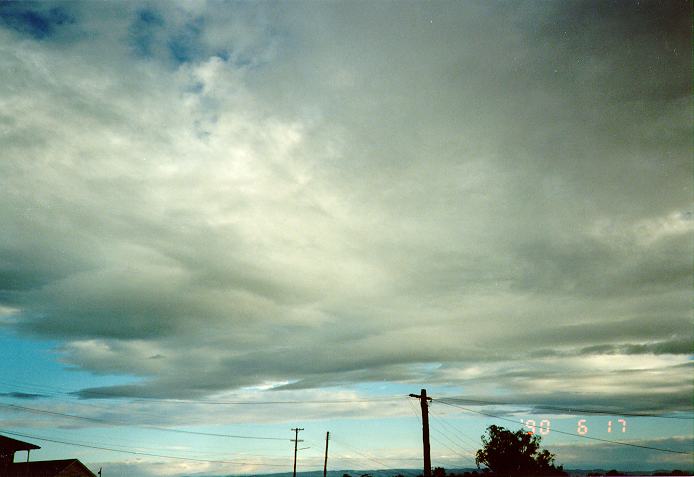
<point>238,218</point>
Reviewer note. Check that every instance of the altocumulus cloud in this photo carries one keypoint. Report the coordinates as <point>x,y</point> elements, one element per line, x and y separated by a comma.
<point>325,194</point>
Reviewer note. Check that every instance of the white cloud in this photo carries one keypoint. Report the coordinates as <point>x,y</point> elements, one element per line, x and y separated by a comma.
<point>285,198</point>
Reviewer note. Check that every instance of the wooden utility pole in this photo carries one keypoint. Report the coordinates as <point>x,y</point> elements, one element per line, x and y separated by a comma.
<point>296,441</point>
<point>325,462</point>
<point>424,402</point>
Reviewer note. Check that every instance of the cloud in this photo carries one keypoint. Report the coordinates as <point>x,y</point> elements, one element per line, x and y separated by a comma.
<point>336,194</point>
<point>286,407</point>
<point>621,457</point>
<point>20,395</point>
<point>618,383</point>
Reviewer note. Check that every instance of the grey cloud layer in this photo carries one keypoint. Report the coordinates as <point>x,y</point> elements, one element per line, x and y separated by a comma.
<point>324,194</point>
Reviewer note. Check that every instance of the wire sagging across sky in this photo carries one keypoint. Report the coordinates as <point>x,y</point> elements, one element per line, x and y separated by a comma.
<point>572,409</point>
<point>672,451</point>
<point>133,452</point>
<point>122,423</point>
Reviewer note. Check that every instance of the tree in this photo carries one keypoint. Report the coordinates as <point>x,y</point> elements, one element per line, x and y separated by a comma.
<point>515,453</point>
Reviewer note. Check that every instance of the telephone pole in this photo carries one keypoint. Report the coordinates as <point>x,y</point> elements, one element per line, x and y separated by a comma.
<point>424,403</point>
<point>296,441</point>
<point>325,462</point>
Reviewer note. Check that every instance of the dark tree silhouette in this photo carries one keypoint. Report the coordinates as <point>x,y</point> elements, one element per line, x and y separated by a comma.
<point>508,453</point>
<point>439,472</point>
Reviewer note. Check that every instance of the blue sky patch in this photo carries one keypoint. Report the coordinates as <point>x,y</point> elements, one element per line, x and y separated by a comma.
<point>185,44</point>
<point>32,20</point>
<point>144,31</point>
<point>152,36</point>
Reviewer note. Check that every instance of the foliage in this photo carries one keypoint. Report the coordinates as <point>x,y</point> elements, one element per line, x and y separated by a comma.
<point>439,472</point>
<point>453,474</point>
<point>515,453</point>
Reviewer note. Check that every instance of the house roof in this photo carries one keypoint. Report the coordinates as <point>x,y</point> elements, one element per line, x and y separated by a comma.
<point>50,468</point>
<point>14,445</point>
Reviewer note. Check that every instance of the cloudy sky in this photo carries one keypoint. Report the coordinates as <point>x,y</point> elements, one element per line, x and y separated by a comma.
<point>344,203</point>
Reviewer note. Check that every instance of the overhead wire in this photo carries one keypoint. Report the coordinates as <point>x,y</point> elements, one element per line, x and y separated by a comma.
<point>570,433</point>
<point>159,428</point>
<point>572,409</point>
<point>146,411</point>
<point>132,452</point>
<point>449,401</point>
<point>445,435</point>
<point>123,423</point>
<point>113,443</point>
<point>436,439</point>
<point>455,430</point>
<point>366,456</point>
<point>112,448</point>
<point>458,399</point>
<point>104,395</point>
<point>453,439</point>
<point>416,413</point>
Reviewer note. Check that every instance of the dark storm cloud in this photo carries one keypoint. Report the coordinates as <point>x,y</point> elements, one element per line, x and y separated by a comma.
<point>641,328</point>
<point>313,195</point>
<point>676,346</point>
<point>19,395</point>
<point>545,387</point>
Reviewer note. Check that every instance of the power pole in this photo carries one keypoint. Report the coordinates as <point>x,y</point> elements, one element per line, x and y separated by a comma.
<point>424,402</point>
<point>325,462</point>
<point>296,441</point>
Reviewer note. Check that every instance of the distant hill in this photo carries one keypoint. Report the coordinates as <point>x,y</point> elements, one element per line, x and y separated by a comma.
<point>416,472</point>
<point>331,473</point>
<point>340,473</point>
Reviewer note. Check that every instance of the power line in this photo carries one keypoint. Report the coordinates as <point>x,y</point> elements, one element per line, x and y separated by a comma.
<point>206,453</point>
<point>567,409</point>
<point>157,428</point>
<point>463,456</point>
<point>457,431</point>
<point>76,394</point>
<point>147,454</point>
<point>332,457</point>
<point>417,415</point>
<point>261,403</point>
<point>419,419</point>
<point>344,444</point>
<point>460,436</point>
<point>415,411</point>
<point>144,410</point>
<point>454,438</point>
<point>672,451</point>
